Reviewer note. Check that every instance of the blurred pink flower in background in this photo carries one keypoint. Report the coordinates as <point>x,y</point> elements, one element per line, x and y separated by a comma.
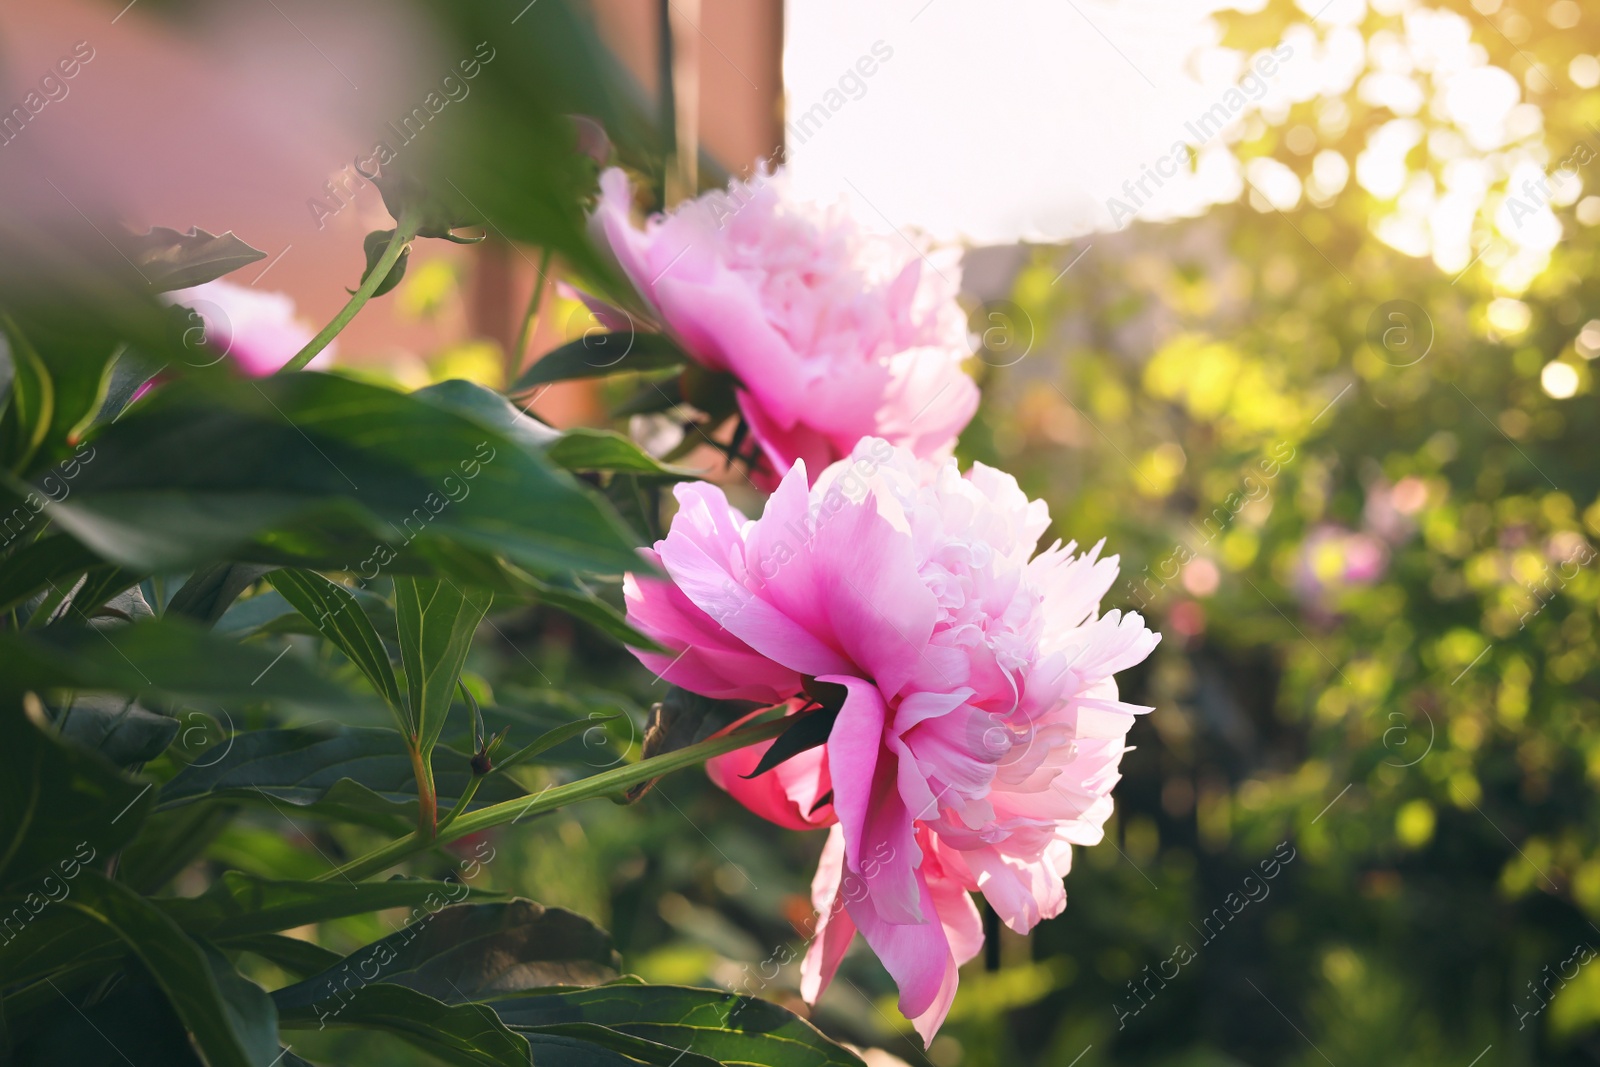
<point>833,333</point>
<point>980,730</point>
<point>258,332</point>
<point>1390,510</point>
<point>1334,557</point>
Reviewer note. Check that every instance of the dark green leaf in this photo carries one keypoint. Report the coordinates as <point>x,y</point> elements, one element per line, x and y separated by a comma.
<point>8,372</point>
<point>470,1035</point>
<point>716,1024</point>
<point>227,1024</point>
<point>571,596</point>
<point>810,730</point>
<point>117,727</point>
<point>164,657</point>
<point>317,470</point>
<point>133,1026</point>
<point>333,610</point>
<point>63,807</point>
<point>170,840</point>
<point>210,591</point>
<point>598,355</point>
<point>127,375</point>
<point>30,414</point>
<point>173,260</point>
<point>83,602</point>
<point>655,395</point>
<point>294,955</point>
<point>242,906</point>
<point>636,1049</point>
<point>375,245</point>
<point>475,951</point>
<point>359,774</point>
<point>50,560</point>
<point>437,621</point>
<point>250,1012</point>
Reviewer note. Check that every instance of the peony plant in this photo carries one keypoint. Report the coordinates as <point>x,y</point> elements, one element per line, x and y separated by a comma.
<point>261,591</point>
<point>953,686</point>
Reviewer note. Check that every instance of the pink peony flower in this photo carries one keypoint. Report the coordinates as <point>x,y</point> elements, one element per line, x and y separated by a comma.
<point>257,331</point>
<point>833,334</point>
<point>980,731</point>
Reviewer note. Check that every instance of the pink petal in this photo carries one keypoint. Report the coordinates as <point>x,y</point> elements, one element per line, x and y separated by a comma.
<point>786,794</point>
<point>916,955</point>
<point>705,557</point>
<point>835,929</point>
<point>721,319</point>
<point>880,612</point>
<point>878,831</point>
<point>703,657</point>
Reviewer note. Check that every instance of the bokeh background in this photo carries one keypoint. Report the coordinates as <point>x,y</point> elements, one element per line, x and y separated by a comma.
<point>1326,387</point>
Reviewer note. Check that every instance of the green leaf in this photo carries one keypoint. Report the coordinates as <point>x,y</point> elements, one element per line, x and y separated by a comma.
<point>226,1020</point>
<point>210,591</point>
<point>810,730</point>
<point>550,739</point>
<point>488,408</point>
<point>251,1014</point>
<point>333,610</point>
<point>375,245</point>
<point>8,373</point>
<point>166,658</point>
<point>169,841</point>
<point>589,1039</point>
<point>171,260</point>
<point>470,952</point>
<point>117,727</point>
<point>294,955</point>
<point>132,1024</point>
<point>606,450</point>
<point>719,1025</point>
<point>599,355</point>
<point>437,621</point>
<point>357,774</point>
<point>571,596</point>
<point>243,906</point>
<point>63,807</point>
<point>76,303</point>
<point>315,470</point>
<point>236,911</point>
<point>129,373</point>
<point>510,155</point>
<point>33,567</point>
<point>28,418</point>
<point>84,602</point>
<point>655,395</point>
<point>470,1035</point>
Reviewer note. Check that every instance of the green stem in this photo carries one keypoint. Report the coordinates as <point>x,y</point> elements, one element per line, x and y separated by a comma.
<point>597,785</point>
<point>405,231</point>
<point>461,804</point>
<point>515,357</point>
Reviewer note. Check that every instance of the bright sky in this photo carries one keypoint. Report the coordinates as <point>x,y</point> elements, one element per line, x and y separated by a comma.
<point>1044,120</point>
<point>1000,121</point>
